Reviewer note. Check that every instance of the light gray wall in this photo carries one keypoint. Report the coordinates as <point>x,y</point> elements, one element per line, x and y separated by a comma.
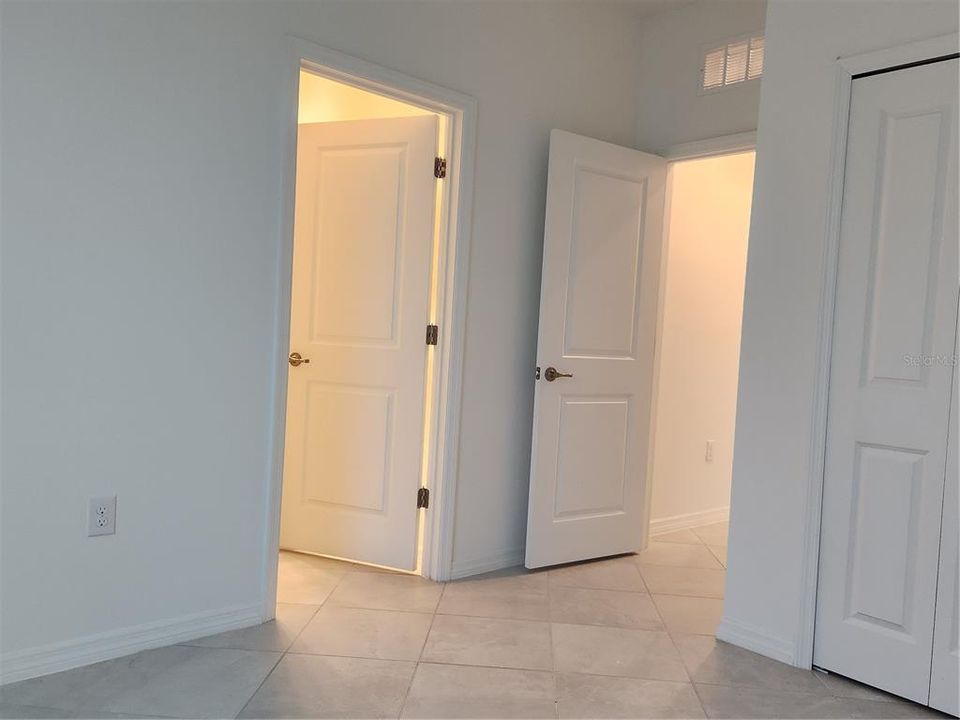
<point>783,290</point>
<point>672,110</point>
<point>141,179</point>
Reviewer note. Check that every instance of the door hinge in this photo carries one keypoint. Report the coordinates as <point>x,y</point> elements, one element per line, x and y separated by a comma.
<point>423,498</point>
<point>439,167</point>
<point>433,334</point>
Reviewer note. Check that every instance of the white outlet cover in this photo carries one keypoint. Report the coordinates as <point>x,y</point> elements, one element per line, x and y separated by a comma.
<point>102,516</point>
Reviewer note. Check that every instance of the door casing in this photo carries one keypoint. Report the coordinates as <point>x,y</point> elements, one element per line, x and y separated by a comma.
<point>458,115</point>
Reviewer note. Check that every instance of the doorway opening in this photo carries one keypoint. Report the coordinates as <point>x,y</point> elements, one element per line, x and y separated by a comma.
<point>707,225</point>
<point>366,233</point>
<point>370,319</point>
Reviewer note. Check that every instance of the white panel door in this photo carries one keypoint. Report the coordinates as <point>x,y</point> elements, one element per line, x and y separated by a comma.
<point>945,670</point>
<point>598,297</point>
<point>891,380</point>
<point>363,243</point>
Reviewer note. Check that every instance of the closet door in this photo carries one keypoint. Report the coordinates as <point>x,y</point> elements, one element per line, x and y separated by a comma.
<point>891,380</point>
<point>944,690</point>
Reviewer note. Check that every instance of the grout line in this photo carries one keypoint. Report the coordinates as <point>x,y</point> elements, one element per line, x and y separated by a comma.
<point>302,629</point>
<point>426,637</point>
<point>553,654</point>
<point>382,609</point>
<point>696,597</point>
<point>285,652</point>
<point>683,664</point>
<point>696,694</point>
<point>266,677</point>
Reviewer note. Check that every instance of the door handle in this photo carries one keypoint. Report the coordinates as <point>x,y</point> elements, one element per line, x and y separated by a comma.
<point>551,374</point>
<point>296,359</point>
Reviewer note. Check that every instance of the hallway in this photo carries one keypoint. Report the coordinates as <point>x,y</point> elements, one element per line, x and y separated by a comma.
<point>624,637</point>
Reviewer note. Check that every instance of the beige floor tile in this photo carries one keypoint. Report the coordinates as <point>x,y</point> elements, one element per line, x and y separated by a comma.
<point>457,691</point>
<point>593,606</point>
<point>696,582</point>
<point>740,702</point>
<point>720,552</point>
<point>316,686</point>
<point>624,652</point>
<point>306,579</point>
<point>694,615</point>
<point>514,593</point>
<point>384,591</point>
<point>357,632</point>
<point>687,537</point>
<point>494,642</point>
<point>717,663</point>
<point>273,636</point>
<point>714,533</point>
<point>174,681</point>
<point>614,574</point>
<point>678,555</point>
<point>593,696</point>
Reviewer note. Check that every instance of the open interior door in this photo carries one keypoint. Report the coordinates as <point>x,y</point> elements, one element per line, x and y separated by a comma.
<point>598,302</point>
<point>362,253</point>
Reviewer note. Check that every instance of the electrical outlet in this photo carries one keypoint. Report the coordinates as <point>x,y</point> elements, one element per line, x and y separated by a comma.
<point>102,518</point>
<point>708,455</point>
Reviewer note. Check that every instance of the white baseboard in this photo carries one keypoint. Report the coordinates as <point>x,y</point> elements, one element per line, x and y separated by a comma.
<point>660,526</point>
<point>752,638</point>
<point>466,568</point>
<point>46,659</point>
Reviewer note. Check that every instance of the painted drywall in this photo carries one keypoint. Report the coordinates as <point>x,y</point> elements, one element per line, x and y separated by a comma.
<point>672,108</point>
<point>142,148</point>
<point>709,220</point>
<point>781,307</point>
<point>325,100</point>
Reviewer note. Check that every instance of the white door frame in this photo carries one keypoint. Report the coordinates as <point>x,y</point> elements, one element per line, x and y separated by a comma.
<point>458,113</point>
<point>847,69</point>
<point>710,147</point>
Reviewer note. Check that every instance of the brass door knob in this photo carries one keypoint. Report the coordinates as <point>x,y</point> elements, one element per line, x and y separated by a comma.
<point>551,374</point>
<point>296,359</point>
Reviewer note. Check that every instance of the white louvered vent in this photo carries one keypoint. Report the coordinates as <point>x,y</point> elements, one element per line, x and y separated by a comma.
<point>756,58</point>
<point>713,64</point>
<point>735,62</point>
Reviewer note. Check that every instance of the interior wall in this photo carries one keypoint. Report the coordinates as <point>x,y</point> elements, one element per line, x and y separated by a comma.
<point>775,414</point>
<point>142,150</point>
<point>709,220</point>
<point>673,110</point>
<point>325,100</point>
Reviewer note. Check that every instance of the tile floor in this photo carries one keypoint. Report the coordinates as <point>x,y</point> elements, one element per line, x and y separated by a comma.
<point>626,637</point>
